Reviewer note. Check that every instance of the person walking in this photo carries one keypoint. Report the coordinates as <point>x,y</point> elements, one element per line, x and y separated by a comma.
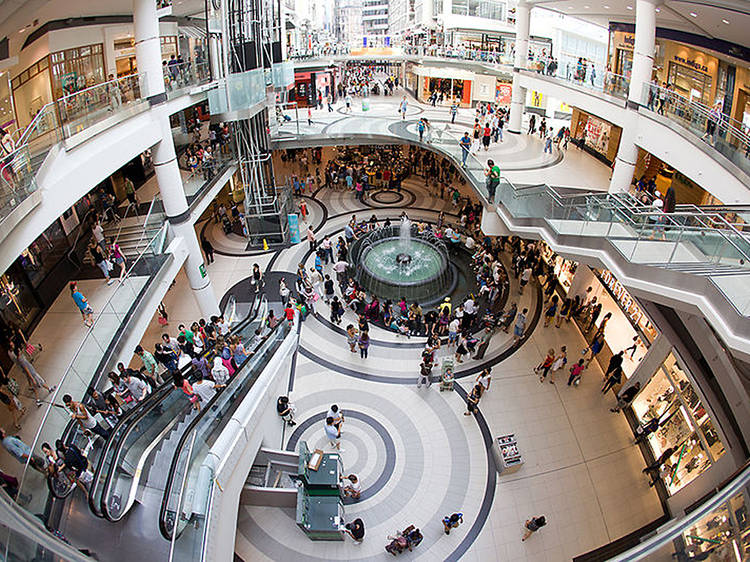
<point>484,379</point>
<point>332,433</point>
<point>356,530</point>
<point>285,409</point>
<point>520,325</point>
<point>256,279</point>
<point>626,397</point>
<point>337,415</point>
<point>363,343</point>
<point>465,144</point>
<point>425,374</point>
<point>16,447</point>
<point>19,357</point>
<point>614,378</point>
<point>454,112</point>
<point>493,179</point>
<point>82,303</point>
<point>533,525</point>
<point>208,249</point>
<point>575,373</point>
<point>543,368</point>
<point>403,107</point>
<point>452,522</point>
<point>472,401</point>
<point>100,260</point>
<point>560,361</point>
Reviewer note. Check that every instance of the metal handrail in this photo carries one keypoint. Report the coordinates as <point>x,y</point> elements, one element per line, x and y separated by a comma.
<point>69,368</point>
<point>676,527</point>
<point>98,86</point>
<point>119,230</point>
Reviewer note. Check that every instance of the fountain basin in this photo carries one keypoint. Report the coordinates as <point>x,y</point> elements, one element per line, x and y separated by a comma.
<point>390,265</point>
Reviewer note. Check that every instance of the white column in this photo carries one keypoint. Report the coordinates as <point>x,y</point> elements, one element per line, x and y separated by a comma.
<point>176,208</point>
<point>643,62</point>
<point>643,50</point>
<point>492,224</point>
<point>518,94</point>
<point>147,46</point>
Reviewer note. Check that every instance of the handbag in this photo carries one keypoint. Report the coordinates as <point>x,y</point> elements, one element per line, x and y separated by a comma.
<point>109,264</point>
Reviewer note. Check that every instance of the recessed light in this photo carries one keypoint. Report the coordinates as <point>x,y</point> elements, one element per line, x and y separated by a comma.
<point>658,10</point>
<point>606,7</point>
<point>693,14</point>
<point>21,30</point>
<point>586,7</point>
<point>629,7</point>
<point>725,21</point>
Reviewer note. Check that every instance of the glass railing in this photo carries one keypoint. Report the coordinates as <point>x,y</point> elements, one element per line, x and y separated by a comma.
<point>108,321</point>
<point>282,74</point>
<point>185,505</point>
<point>598,80</point>
<point>114,99</point>
<point>169,411</point>
<point>476,55</point>
<point>716,530</point>
<point>23,537</point>
<point>731,138</point>
<point>178,77</point>
<point>115,475</point>
<point>16,180</point>
<point>203,175</point>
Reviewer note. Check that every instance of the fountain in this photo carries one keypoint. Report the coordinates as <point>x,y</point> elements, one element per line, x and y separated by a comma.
<point>398,261</point>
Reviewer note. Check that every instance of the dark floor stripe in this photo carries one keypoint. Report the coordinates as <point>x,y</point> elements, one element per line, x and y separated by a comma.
<point>293,369</point>
<point>390,447</point>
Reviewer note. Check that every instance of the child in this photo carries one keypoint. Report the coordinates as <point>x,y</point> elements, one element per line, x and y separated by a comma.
<point>575,373</point>
<point>452,521</point>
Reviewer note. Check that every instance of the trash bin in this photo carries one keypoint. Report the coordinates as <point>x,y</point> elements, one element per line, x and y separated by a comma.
<point>506,454</point>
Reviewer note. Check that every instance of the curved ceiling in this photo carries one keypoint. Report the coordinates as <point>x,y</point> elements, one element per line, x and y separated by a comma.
<point>728,20</point>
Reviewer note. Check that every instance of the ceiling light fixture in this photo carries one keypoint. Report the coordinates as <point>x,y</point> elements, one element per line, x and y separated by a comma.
<point>658,10</point>
<point>606,7</point>
<point>693,14</point>
<point>629,7</point>
<point>725,21</point>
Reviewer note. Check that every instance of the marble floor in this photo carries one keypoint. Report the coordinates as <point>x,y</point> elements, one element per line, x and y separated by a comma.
<point>419,458</point>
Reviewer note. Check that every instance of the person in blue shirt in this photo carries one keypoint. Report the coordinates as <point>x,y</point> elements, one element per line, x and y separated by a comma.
<point>82,303</point>
<point>465,144</point>
<point>452,521</point>
<point>15,446</point>
<point>454,111</point>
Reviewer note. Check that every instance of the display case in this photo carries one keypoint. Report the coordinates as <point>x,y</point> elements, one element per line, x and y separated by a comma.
<point>686,433</point>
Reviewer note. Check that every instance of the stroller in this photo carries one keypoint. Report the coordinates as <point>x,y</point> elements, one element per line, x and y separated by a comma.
<point>406,540</point>
<point>446,375</point>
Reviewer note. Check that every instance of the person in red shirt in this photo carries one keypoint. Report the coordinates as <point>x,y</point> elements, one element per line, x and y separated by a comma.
<point>487,135</point>
<point>289,312</point>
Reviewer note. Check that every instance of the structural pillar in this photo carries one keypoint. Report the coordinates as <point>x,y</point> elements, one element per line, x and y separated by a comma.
<point>148,55</point>
<point>148,49</point>
<point>518,94</point>
<point>643,62</point>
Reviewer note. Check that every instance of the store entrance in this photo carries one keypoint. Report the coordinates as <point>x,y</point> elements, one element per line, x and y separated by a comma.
<point>690,83</point>
<point>126,66</point>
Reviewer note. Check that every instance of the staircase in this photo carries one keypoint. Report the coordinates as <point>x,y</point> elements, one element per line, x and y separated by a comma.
<point>134,233</point>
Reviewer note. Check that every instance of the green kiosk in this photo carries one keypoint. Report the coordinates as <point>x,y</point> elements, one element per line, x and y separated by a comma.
<point>320,509</point>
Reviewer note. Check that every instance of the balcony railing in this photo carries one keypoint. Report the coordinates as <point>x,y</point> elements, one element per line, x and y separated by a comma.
<point>182,76</point>
<point>83,109</point>
<point>724,134</point>
<point>82,368</point>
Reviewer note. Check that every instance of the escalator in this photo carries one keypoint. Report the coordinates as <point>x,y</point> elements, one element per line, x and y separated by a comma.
<point>132,465</point>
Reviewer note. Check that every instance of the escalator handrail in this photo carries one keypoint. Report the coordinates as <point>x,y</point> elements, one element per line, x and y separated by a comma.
<point>134,417</point>
<point>183,439</point>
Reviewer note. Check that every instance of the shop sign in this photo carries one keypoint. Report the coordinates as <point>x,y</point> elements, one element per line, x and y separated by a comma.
<point>691,63</point>
<point>624,41</point>
<point>626,303</point>
<point>503,93</point>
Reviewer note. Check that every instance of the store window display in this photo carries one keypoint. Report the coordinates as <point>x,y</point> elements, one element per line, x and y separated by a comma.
<point>684,437</point>
<point>723,534</point>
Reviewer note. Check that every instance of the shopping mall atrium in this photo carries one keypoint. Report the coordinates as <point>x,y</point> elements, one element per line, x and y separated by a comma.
<point>340,280</point>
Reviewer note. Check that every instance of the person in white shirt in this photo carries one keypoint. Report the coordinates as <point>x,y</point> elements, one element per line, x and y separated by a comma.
<point>338,417</point>
<point>485,378</point>
<point>138,389</point>
<point>98,233</point>
<point>525,278</point>
<point>470,243</point>
<point>205,389</point>
<point>219,372</point>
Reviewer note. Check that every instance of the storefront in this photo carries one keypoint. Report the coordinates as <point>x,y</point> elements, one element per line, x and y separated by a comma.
<point>455,84</point>
<point>503,91</point>
<point>599,137</point>
<point>125,61</point>
<point>686,438</point>
<point>621,45</point>
<point>723,534</point>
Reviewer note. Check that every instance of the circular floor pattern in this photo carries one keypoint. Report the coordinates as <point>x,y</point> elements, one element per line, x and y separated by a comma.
<point>407,199</point>
<point>355,424</point>
<point>387,197</point>
<point>438,466</point>
<point>378,109</point>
